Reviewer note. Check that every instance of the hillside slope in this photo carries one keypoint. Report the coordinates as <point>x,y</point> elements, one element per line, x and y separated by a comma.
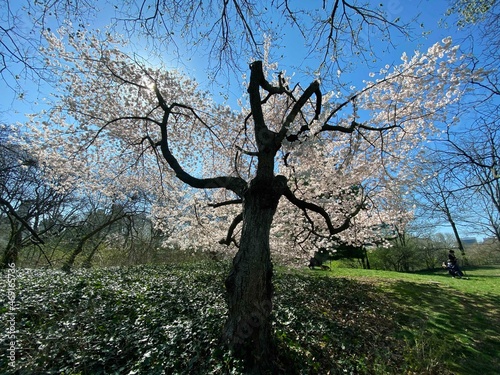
<point>166,320</point>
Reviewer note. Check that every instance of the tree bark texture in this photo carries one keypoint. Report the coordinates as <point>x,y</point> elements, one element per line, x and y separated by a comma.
<point>249,285</point>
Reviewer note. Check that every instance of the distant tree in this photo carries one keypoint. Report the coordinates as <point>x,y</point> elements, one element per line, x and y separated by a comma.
<point>94,228</point>
<point>441,199</point>
<point>27,200</point>
<point>477,158</point>
<point>474,152</point>
<point>134,240</point>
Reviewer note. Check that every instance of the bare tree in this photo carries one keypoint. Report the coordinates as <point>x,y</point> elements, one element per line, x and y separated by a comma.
<point>335,33</point>
<point>475,154</point>
<point>225,32</point>
<point>26,199</point>
<point>96,226</point>
<point>469,156</point>
<point>441,200</point>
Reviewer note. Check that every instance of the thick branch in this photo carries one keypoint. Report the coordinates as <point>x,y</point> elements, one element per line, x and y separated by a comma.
<point>235,184</point>
<point>25,224</point>
<point>257,80</point>
<point>264,136</point>
<point>312,89</point>
<point>304,205</point>
<point>343,129</point>
<point>310,206</point>
<point>226,203</point>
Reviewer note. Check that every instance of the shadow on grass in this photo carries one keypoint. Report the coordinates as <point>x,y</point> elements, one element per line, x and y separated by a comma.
<point>461,329</point>
<point>335,326</point>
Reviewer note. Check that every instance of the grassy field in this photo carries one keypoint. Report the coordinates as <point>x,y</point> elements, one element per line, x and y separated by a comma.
<point>455,322</point>
<point>167,319</point>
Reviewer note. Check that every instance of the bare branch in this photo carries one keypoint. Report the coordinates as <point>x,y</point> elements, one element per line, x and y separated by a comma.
<point>235,184</point>
<point>229,238</point>
<point>225,203</point>
<point>25,224</point>
<point>249,153</point>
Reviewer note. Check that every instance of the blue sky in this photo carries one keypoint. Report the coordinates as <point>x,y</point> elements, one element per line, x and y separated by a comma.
<point>426,31</point>
<point>428,16</point>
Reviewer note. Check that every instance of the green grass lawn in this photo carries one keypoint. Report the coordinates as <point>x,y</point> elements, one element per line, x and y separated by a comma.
<point>167,320</point>
<point>483,280</point>
<point>444,319</point>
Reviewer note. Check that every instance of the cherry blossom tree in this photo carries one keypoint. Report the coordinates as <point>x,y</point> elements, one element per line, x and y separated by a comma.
<point>332,167</point>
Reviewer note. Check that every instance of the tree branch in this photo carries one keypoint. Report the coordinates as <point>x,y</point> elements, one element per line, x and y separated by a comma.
<point>312,89</point>
<point>249,153</point>
<point>226,203</point>
<point>257,80</point>
<point>229,238</point>
<point>235,184</point>
<point>25,224</point>
<point>304,205</point>
<point>354,124</point>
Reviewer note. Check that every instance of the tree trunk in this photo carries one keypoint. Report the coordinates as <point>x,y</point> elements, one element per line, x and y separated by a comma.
<point>366,261</point>
<point>71,260</point>
<point>79,248</point>
<point>249,285</point>
<point>13,247</point>
<point>87,263</point>
<point>457,236</point>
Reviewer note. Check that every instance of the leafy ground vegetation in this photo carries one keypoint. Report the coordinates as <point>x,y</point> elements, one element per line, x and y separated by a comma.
<point>167,320</point>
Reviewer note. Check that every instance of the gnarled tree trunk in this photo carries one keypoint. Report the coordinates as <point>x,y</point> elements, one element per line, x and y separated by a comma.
<point>249,286</point>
